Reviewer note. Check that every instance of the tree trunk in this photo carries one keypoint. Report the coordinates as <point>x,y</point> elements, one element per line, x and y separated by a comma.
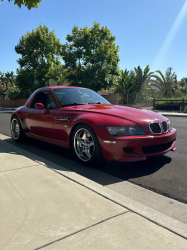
<point>5,89</point>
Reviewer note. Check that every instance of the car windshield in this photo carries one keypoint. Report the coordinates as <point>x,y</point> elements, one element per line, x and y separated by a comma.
<point>77,96</point>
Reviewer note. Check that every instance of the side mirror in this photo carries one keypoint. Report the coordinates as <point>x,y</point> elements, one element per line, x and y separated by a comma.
<point>39,106</point>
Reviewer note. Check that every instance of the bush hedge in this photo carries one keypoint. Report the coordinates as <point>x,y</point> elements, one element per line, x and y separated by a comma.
<point>169,107</point>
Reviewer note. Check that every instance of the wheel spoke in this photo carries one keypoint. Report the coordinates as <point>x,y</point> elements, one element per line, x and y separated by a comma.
<point>80,140</point>
<point>89,144</point>
<point>84,137</point>
<point>87,153</point>
<point>80,143</point>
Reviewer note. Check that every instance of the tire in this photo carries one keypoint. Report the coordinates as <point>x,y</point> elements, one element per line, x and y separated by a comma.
<point>16,130</point>
<point>85,146</point>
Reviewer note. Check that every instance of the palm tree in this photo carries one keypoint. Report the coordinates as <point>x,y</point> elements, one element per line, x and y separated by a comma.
<point>132,82</point>
<point>6,79</point>
<point>125,83</point>
<point>164,84</point>
<point>10,78</point>
<point>141,77</point>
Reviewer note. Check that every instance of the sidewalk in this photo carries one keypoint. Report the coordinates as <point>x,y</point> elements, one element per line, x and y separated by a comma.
<point>42,207</point>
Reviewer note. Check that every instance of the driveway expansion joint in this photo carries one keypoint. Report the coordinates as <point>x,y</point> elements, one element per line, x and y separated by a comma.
<point>81,230</point>
<point>117,203</point>
<point>15,169</point>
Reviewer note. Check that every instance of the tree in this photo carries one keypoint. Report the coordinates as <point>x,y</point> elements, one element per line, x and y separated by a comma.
<point>40,59</point>
<point>132,82</point>
<point>28,3</point>
<point>141,77</point>
<point>165,84</point>
<point>91,57</point>
<point>3,84</point>
<point>7,80</point>
<point>125,84</point>
<point>183,84</point>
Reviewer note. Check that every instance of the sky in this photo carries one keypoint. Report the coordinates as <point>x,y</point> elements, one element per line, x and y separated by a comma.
<point>148,32</point>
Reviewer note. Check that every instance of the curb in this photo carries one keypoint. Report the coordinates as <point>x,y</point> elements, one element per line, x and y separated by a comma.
<point>174,115</point>
<point>150,214</point>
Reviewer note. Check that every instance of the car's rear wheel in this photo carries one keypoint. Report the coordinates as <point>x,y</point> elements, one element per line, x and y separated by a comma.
<point>16,130</point>
<point>85,145</point>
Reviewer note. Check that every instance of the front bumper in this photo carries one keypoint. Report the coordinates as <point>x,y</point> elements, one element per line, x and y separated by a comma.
<point>138,148</point>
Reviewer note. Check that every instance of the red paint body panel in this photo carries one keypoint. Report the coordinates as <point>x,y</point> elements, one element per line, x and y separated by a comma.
<point>115,151</point>
<point>47,127</point>
<point>41,123</point>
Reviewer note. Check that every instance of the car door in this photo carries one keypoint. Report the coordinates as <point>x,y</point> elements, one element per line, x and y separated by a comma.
<point>41,122</point>
<point>62,125</point>
<point>64,116</point>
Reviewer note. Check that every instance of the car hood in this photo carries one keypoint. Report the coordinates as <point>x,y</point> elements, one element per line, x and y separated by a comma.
<point>134,114</point>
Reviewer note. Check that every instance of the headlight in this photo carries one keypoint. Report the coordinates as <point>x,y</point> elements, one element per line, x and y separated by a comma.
<point>126,130</point>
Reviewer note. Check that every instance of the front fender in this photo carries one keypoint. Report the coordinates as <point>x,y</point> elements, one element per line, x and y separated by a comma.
<point>99,123</point>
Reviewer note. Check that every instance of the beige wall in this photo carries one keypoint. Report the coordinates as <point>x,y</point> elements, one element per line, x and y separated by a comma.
<point>53,82</point>
<point>139,105</point>
<point>113,98</point>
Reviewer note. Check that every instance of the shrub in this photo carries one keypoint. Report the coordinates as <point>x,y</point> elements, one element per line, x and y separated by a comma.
<point>178,93</point>
<point>14,94</point>
<point>168,107</point>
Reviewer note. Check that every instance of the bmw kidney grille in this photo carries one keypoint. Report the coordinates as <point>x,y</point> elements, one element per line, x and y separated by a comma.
<point>164,126</point>
<point>158,128</point>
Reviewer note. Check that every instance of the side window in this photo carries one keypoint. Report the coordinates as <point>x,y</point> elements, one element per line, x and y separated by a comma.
<point>45,98</point>
<point>37,99</point>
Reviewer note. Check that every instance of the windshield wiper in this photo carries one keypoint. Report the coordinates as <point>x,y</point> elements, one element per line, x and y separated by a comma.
<point>77,103</point>
<point>72,104</point>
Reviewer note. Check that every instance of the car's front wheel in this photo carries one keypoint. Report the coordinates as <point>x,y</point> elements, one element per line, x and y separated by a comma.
<point>16,130</point>
<point>85,145</point>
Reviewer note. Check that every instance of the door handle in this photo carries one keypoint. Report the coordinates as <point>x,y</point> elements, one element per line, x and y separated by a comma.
<point>29,114</point>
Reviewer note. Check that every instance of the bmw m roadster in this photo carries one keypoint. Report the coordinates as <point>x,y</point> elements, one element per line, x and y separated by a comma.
<point>81,120</point>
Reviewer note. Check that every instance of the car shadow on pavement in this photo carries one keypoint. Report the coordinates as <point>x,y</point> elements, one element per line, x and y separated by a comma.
<point>134,170</point>
<point>109,173</point>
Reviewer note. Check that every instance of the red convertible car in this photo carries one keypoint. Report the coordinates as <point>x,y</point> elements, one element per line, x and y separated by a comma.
<point>83,121</point>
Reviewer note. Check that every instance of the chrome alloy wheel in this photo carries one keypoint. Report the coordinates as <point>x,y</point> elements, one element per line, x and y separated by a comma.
<point>15,129</point>
<point>84,144</point>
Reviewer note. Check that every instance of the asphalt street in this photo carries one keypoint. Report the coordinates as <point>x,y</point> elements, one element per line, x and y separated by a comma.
<point>165,175</point>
